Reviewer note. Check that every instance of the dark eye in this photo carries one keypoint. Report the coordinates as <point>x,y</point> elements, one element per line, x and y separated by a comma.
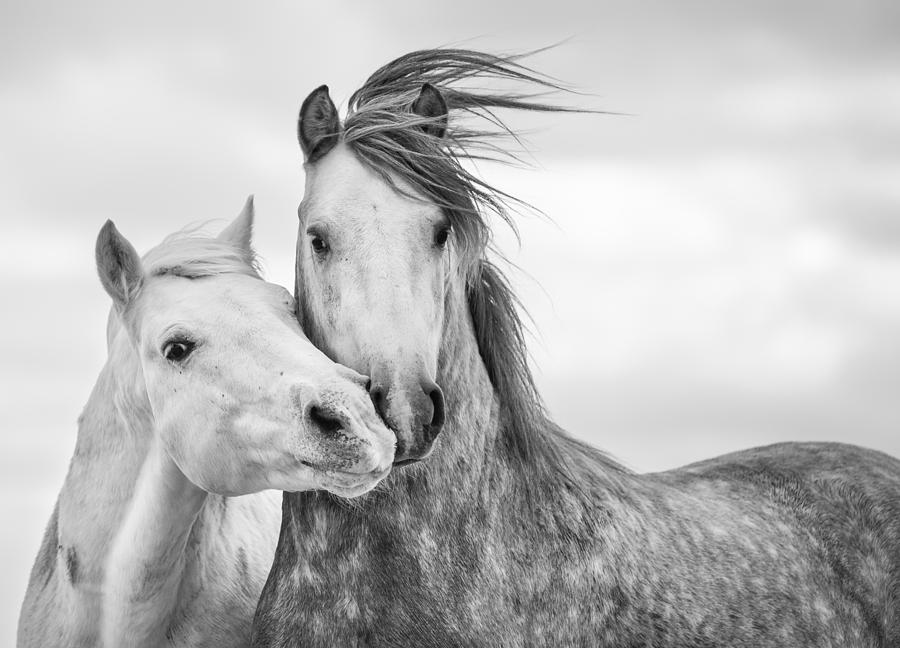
<point>319,245</point>
<point>178,350</point>
<point>441,236</point>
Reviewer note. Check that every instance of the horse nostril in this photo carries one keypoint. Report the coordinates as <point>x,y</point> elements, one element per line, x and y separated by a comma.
<point>326,421</point>
<point>437,412</point>
<point>377,394</point>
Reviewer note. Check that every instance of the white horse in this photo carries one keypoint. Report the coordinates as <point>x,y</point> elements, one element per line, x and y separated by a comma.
<point>210,392</point>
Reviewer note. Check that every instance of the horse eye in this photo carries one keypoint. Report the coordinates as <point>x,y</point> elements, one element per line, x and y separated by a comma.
<point>440,238</point>
<point>178,350</point>
<point>319,245</point>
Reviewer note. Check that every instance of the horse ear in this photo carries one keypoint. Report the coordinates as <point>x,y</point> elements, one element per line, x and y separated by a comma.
<point>118,265</point>
<point>431,104</point>
<point>318,127</point>
<point>240,231</point>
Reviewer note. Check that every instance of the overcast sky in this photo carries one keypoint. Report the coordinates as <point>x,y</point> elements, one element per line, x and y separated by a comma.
<point>721,268</point>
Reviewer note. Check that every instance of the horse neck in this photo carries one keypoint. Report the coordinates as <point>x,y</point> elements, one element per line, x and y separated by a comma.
<point>147,561</point>
<point>482,450</point>
<point>472,428</point>
<point>114,433</point>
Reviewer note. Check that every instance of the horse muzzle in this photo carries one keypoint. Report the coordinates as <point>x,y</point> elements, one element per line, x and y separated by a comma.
<point>414,412</point>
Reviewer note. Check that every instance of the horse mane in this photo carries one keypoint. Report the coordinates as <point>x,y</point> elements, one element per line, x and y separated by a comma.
<point>390,139</point>
<point>191,254</point>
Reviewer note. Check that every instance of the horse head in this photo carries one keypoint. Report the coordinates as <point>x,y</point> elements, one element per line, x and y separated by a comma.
<point>241,400</point>
<point>373,266</point>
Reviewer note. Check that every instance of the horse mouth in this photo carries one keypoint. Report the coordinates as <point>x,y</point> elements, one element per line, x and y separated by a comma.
<point>346,483</point>
<point>404,457</point>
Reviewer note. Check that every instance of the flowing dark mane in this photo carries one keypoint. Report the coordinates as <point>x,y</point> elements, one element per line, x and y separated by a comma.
<point>388,137</point>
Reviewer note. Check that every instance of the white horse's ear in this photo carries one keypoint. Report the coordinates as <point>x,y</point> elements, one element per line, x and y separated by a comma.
<point>240,232</point>
<point>118,265</point>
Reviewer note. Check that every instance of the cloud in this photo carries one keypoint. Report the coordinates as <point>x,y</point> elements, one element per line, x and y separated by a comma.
<point>664,417</point>
<point>871,220</point>
<point>671,311</point>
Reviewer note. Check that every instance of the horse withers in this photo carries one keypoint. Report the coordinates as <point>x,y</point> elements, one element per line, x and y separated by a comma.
<point>211,394</point>
<point>508,532</point>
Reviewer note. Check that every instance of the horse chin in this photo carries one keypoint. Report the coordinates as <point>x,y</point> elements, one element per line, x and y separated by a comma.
<point>350,485</point>
<point>342,483</point>
<point>409,461</point>
<point>410,448</point>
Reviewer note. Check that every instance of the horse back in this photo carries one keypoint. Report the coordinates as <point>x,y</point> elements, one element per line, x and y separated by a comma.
<point>846,497</point>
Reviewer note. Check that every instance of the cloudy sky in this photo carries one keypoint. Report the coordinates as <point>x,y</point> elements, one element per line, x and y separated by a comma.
<point>720,268</point>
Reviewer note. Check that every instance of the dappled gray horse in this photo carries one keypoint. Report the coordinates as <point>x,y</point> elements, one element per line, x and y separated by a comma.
<point>502,530</point>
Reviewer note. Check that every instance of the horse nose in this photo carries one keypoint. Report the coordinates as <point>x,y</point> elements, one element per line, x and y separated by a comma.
<point>432,406</point>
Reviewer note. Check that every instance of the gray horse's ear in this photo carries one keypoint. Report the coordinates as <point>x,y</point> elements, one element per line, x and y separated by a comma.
<point>318,127</point>
<point>431,104</point>
<point>118,265</point>
<point>240,231</point>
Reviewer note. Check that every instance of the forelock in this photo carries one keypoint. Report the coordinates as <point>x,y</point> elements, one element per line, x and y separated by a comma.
<point>192,255</point>
<point>391,139</point>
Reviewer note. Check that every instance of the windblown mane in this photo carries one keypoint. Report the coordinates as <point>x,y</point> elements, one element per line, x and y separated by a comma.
<point>189,253</point>
<point>389,138</point>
